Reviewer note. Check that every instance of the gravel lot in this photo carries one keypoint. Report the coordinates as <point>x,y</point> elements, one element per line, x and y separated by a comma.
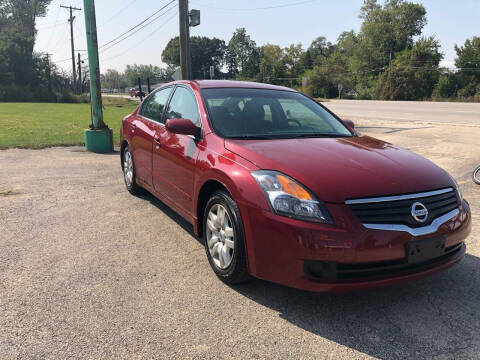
<point>89,271</point>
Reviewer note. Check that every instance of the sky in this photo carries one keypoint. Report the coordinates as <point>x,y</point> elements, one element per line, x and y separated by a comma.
<point>283,22</point>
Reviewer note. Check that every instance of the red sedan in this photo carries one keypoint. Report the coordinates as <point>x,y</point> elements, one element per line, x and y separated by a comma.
<point>282,189</point>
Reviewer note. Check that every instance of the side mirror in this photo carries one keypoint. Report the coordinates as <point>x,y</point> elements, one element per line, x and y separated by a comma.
<point>349,123</point>
<point>182,127</point>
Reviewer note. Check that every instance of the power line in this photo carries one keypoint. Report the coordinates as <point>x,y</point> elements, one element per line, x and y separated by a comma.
<point>80,31</point>
<point>52,26</point>
<point>53,32</point>
<point>257,8</point>
<point>61,39</point>
<point>136,26</point>
<point>137,30</point>
<point>145,38</point>
<point>63,60</point>
<point>118,13</point>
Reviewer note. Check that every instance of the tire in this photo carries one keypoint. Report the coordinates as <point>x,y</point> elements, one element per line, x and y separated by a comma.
<point>128,166</point>
<point>221,248</point>
<point>476,175</point>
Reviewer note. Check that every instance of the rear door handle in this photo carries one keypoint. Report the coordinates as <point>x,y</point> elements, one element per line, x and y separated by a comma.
<point>157,143</point>
<point>133,127</point>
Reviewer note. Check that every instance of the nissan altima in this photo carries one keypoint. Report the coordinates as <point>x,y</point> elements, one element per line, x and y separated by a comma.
<point>280,188</point>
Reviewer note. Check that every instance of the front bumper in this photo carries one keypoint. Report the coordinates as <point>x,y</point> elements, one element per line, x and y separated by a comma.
<point>280,249</point>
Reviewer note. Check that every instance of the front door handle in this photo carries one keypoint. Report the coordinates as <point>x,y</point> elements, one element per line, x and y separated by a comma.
<point>157,143</point>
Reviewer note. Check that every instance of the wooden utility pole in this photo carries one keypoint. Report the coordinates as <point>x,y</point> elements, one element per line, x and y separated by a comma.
<point>80,82</point>
<point>185,60</point>
<point>70,20</point>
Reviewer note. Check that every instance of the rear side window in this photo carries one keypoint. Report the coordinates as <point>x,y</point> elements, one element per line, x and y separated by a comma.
<point>183,106</point>
<point>154,105</point>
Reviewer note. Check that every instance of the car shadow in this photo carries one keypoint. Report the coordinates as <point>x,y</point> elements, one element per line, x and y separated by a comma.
<point>438,316</point>
<point>115,152</point>
<point>184,224</point>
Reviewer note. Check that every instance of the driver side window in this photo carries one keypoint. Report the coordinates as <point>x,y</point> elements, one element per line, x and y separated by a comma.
<point>183,106</point>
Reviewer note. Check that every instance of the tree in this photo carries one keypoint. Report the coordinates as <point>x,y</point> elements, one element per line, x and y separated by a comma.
<point>272,63</point>
<point>112,79</point>
<point>320,49</point>
<point>205,52</point>
<point>144,72</point>
<point>323,80</point>
<point>468,61</point>
<point>385,31</point>
<point>20,68</point>
<point>468,55</point>
<point>414,73</point>
<point>445,86</point>
<point>293,59</point>
<point>306,62</point>
<point>242,54</point>
<point>23,14</point>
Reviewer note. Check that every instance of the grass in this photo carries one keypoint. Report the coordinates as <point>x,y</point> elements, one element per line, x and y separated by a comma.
<point>8,193</point>
<point>39,125</point>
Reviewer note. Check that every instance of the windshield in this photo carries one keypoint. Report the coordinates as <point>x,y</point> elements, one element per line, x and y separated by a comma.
<point>262,113</point>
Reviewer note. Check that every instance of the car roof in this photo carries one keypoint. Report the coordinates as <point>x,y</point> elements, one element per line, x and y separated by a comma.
<point>211,84</point>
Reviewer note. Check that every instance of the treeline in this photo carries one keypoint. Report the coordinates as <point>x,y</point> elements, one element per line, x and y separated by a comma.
<point>387,59</point>
<point>113,79</point>
<point>24,74</point>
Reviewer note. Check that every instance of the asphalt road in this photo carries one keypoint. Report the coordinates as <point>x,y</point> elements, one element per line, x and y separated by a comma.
<point>89,271</point>
<point>408,111</point>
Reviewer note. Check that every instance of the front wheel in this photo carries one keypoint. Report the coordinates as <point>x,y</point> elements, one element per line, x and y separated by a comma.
<point>224,239</point>
<point>476,175</point>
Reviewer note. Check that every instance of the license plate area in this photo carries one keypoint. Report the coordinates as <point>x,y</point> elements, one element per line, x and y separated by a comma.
<point>419,251</point>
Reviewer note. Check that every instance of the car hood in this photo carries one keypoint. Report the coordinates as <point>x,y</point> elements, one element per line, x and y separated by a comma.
<point>336,169</point>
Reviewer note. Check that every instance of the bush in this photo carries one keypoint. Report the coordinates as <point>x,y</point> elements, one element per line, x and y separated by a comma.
<point>467,91</point>
<point>67,97</point>
<point>14,93</point>
<point>445,87</point>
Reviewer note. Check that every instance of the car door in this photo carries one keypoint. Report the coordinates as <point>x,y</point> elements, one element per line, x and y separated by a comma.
<point>144,128</point>
<point>174,155</point>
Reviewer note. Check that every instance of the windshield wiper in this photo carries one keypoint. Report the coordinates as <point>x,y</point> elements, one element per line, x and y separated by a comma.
<point>252,137</point>
<point>319,135</point>
<point>285,136</point>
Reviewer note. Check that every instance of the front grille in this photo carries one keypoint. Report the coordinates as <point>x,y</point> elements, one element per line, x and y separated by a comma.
<point>320,270</point>
<point>397,209</point>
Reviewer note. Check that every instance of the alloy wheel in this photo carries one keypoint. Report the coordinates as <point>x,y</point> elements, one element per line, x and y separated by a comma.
<point>220,236</point>
<point>128,167</point>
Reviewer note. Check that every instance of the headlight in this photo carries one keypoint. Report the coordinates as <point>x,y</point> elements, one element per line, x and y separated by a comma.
<point>288,198</point>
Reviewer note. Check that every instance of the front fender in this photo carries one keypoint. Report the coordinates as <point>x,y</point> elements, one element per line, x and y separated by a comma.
<point>234,174</point>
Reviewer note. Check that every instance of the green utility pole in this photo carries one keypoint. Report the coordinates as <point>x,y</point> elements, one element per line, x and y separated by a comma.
<point>99,137</point>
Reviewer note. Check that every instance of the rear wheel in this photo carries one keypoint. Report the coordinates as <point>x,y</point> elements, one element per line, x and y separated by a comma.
<point>224,239</point>
<point>129,172</point>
